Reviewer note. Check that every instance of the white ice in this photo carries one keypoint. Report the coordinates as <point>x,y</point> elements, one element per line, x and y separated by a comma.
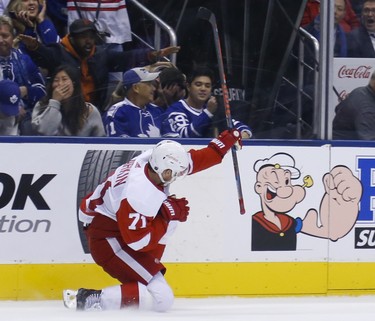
<point>337,308</point>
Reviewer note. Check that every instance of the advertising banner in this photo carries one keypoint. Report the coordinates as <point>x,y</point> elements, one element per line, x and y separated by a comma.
<point>359,244</point>
<point>303,203</point>
<point>348,74</point>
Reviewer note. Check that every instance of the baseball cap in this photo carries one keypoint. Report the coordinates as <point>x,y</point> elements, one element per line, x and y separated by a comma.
<point>136,75</point>
<point>82,25</point>
<point>10,96</point>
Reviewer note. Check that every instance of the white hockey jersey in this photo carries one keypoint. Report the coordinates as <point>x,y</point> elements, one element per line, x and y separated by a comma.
<point>112,17</point>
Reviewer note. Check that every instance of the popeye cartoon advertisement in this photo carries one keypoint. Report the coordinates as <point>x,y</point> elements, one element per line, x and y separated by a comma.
<point>281,188</point>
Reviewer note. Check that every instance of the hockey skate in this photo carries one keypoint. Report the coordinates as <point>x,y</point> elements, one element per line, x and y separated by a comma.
<point>83,299</point>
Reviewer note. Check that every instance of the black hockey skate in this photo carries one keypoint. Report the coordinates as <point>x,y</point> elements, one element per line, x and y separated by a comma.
<point>83,299</point>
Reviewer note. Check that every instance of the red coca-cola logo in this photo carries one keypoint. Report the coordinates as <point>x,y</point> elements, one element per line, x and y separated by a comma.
<point>357,72</point>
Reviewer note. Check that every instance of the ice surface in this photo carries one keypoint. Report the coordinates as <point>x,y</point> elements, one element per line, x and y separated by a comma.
<point>337,308</point>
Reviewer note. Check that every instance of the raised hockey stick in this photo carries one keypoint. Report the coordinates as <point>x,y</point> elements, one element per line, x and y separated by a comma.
<point>206,14</point>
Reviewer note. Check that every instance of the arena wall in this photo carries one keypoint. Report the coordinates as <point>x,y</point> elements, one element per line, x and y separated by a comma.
<point>43,250</point>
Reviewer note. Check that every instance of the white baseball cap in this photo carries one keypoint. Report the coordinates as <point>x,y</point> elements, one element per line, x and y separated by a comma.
<point>136,75</point>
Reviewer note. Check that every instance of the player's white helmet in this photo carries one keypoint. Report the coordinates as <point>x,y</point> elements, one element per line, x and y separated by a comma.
<point>169,154</point>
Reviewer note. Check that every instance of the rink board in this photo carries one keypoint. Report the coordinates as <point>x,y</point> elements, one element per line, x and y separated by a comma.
<point>45,281</point>
<point>43,250</point>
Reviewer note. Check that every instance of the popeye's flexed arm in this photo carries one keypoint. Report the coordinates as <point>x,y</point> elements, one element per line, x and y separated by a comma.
<point>339,206</point>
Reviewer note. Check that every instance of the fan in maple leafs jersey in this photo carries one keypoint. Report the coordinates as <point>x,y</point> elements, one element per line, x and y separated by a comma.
<point>129,218</point>
<point>193,117</point>
<point>126,119</point>
<point>135,116</point>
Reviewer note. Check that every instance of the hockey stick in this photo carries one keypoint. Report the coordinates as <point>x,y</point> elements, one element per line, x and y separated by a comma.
<point>206,14</point>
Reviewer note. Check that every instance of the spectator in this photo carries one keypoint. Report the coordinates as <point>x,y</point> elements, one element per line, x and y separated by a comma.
<point>312,10</point>
<point>58,13</point>
<point>341,45</point>
<point>355,115</point>
<point>172,87</point>
<point>78,49</point>
<point>29,18</point>
<point>168,89</point>
<point>18,67</point>
<point>63,111</point>
<point>192,117</point>
<point>361,41</point>
<point>130,218</point>
<point>110,17</point>
<point>133,117</point>
<point>111,20</point>
<point>340,48</point>
<point>10,97</point>
<point>349,22</point>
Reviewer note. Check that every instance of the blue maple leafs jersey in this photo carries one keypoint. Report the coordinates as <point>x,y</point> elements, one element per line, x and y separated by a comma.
<point>190,122</point>
<point>128,120</point>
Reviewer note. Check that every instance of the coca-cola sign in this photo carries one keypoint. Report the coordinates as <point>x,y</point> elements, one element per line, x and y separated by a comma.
<point>355,72</point>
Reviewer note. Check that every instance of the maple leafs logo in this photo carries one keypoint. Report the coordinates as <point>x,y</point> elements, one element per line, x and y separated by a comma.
<point>13,99</point>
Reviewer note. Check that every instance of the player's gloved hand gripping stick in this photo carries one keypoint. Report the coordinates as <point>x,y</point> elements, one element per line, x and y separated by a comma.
<point>226,140</point>
<point>205,14</point>
<point>175,209</point>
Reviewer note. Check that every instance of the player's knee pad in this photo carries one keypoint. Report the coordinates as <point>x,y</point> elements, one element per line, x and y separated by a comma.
<point>161,293</point>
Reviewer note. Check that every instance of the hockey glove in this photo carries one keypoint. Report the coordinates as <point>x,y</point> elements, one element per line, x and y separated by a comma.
<point>226,140</point>
<point>175,209</point>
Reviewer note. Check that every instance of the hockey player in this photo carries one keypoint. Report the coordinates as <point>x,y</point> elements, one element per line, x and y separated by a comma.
<point>129,218</point>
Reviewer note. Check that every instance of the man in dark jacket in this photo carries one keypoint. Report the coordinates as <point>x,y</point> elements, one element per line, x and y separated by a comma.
<point>355,116</point>
<point>361,41</point>
<point>78,48</point>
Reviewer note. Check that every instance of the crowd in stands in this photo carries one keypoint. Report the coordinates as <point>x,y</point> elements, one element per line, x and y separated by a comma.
<point>355,115</point>
<point>77,77</point>
<point>354,29</point>
<point>354,38</point>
